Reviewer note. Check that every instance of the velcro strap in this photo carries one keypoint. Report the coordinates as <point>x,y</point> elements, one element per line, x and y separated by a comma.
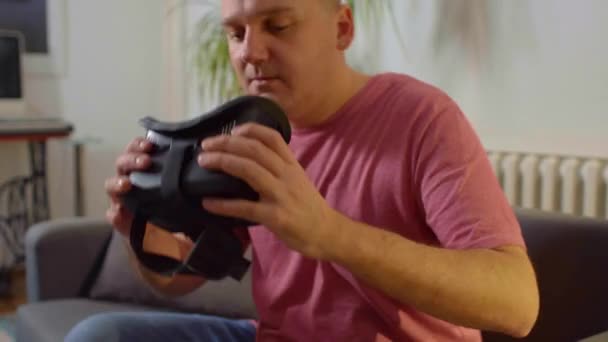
<point>217,252</point>
<point>171,175</point>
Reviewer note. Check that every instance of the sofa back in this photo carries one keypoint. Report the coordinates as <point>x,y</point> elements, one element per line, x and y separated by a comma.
<point>570,256</point>
<point>116,281</point>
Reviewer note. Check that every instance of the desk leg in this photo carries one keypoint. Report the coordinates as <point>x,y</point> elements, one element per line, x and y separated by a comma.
<point>40,198</point>
<point>78,196</point>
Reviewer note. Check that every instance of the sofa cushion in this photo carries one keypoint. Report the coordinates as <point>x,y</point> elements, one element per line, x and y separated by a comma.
<point>52,320</point>
<point>118,281</point>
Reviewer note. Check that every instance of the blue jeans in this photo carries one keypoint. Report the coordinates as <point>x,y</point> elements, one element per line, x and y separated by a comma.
<point>160,326</point>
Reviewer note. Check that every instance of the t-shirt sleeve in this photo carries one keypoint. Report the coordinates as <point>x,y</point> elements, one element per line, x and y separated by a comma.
<point>459,193</point>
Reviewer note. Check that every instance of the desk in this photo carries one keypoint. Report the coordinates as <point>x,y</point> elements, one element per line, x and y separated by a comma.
<point>25,197</point>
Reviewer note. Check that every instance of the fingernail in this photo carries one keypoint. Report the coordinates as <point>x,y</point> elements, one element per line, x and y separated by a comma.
<point>143,144</point>
<point>139,161</point>
<point>121,182</point>
<point>202,158</point>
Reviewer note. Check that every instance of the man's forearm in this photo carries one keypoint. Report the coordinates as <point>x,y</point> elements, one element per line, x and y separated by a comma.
<point>491,290</point>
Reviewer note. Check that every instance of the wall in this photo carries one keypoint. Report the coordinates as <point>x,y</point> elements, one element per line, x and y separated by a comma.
<point>122,64</point>
<point>113,76</point>
<point>543,85</point>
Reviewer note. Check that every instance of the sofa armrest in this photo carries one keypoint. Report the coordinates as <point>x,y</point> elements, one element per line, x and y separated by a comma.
<point>61,254</point>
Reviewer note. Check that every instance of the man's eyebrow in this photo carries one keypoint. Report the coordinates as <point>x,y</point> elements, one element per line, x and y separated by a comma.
<point>264,12</point>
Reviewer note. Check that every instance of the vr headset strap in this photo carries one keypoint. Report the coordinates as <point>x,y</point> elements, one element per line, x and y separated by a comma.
<point>207,257</point>
<point>217,252</point>
<point>155,262</point>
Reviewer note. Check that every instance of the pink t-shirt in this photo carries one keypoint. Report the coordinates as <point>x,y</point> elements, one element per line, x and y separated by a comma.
<point>399,156</point>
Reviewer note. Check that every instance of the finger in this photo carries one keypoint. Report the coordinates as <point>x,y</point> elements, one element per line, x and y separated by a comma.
<point>110,215</point>
<point>257,212</point>
<point>119,217</point>
<point>268,136</point>
<point>139,145</point>
<point>117,186</point>
<point>112,212</point>
<point>260,179</point>
<point>128,162</point>
<point>248,148</point>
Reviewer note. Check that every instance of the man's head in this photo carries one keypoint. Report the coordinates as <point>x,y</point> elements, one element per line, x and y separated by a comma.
<point>291,51</point>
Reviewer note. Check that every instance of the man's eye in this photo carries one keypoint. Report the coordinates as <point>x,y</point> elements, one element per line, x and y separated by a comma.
<point>277,28</point>
<point>235,35</point>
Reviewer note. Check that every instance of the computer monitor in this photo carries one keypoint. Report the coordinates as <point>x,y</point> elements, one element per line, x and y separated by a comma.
<point>12,98</point>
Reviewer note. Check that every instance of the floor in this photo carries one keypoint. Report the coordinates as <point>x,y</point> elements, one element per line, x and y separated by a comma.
<point>17,297</point>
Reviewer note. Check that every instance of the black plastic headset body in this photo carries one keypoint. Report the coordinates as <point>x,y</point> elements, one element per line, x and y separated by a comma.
<point>169,193</point>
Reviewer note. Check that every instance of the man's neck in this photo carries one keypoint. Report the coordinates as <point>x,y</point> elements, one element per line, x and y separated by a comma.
<point>344,86</point>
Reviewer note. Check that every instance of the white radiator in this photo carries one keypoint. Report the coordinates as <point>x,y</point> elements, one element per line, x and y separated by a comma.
<point>572,185</point>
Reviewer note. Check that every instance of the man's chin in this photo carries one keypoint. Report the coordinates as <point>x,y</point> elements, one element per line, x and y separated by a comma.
<point>274,93</point>
<point>267,94</point>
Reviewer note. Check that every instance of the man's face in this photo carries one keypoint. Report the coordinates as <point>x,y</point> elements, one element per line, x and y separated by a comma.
<point>282,49</point>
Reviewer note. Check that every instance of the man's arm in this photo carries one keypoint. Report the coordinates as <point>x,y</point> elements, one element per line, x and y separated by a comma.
<point>480,288</point>
<point>136,158</point>
<point>487,289</point>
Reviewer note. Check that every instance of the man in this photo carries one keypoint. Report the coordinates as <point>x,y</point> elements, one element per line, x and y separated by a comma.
<point>382,219</point>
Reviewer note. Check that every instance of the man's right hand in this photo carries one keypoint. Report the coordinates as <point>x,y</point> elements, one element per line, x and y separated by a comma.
<point>175,245</point>
<point>134,158</point>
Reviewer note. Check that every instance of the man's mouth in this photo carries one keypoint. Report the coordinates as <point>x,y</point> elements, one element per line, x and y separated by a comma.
<point>262,79</point>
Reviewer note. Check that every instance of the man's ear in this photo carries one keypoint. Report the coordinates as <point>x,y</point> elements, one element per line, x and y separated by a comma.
<point>346,27</point>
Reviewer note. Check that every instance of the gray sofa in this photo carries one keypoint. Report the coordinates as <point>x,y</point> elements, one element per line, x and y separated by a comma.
<point>78,267</point>
<point>64,259</point>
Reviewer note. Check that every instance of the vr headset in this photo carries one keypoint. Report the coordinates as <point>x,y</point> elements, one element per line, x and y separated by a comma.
<point>169,193</point>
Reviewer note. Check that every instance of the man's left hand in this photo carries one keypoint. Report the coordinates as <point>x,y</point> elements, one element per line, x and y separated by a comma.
<point>289,204</point>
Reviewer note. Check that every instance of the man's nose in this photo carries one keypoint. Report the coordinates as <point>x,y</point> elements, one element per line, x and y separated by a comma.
<point>254,49</point>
